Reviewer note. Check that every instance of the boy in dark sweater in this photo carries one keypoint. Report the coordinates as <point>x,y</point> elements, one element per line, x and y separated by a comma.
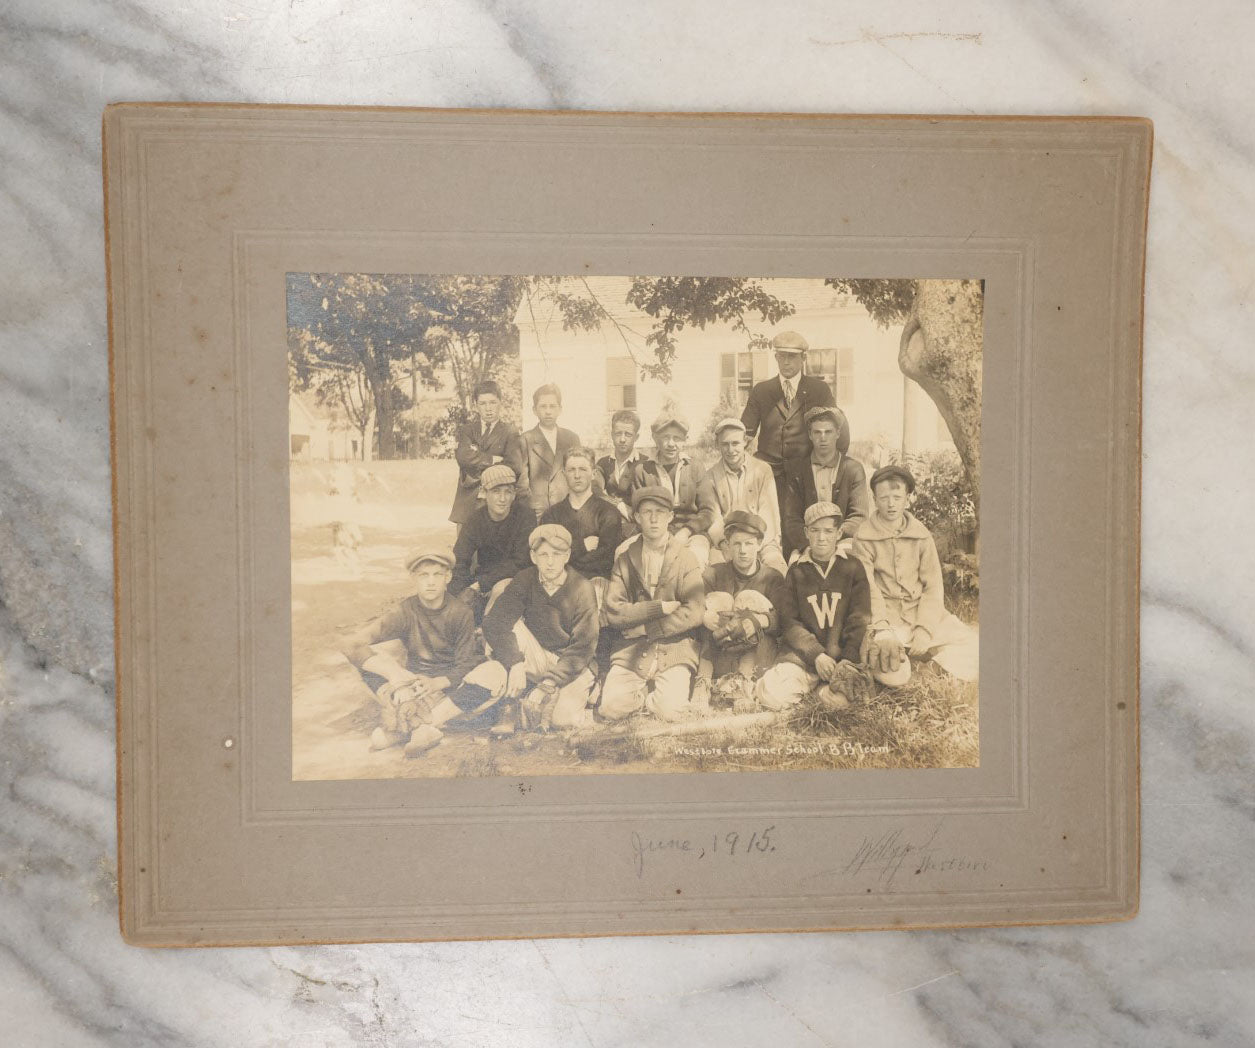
<point>742,618</point>
<point>593,523</point>
<point>616,473</point>
<point>542,633</point>
<point>441,647</point>
<point>492,546</point>
<point>824,612</point>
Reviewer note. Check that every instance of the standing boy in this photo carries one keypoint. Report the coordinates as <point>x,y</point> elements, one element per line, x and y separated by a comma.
<point>593,523</point>
<point>692,499</point>
<point>743,596</point>
<point>908,591</point>
<point>483,442</point>
<point>740,482</point>
<point>492,546</point>
<point>655,599</point>
<point>825,474</point>
<point>616,473</point>
<point>441,647</point>
<point>542,449</point>
<point>824,613</point>
<point>542,633</point>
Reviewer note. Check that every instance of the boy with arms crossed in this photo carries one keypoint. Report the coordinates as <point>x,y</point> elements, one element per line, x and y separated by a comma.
<point>482,442</point>
<point>438,633</point>
<point>655,599</point>
<point>542,633</point>
<point>616,473</point>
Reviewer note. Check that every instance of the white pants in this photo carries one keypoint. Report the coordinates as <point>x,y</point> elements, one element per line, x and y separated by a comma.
<point>787,683</point>
<point>569,712</point>
<point>626,691</point>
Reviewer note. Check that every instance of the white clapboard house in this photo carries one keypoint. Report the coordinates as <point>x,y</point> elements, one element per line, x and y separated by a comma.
<point>598,372</point>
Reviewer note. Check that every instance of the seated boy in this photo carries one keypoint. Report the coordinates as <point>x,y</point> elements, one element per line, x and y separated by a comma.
<point>824,614</point>
<point>593,523</point>
<point>908,594</point>
<point>616,473</point>
<point>742,600</point>
<point>492,545</point>
<point>655,599</point>
<point>441,647</point>
<point>542,632</point>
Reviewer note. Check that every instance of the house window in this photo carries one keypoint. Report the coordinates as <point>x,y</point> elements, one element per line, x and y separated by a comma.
<point>736,376</point>
<point>620,383</point>
<point>836,367</point>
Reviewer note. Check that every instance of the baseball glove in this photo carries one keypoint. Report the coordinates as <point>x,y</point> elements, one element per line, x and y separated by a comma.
<point>851,684</point>
<point>404,706</point>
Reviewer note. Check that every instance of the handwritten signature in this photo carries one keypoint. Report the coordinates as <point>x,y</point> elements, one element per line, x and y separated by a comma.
<point>889,854</point>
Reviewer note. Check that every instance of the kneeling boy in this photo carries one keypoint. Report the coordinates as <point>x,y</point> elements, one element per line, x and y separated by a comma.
<point>438,632</point>
<point>542,633</point>
<point>742,600</point>
<point>908,591</point>
<point>655,599</point>
<point>824,613</point>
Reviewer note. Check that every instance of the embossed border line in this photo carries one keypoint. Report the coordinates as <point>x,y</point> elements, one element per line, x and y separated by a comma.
<point>1018,250</point>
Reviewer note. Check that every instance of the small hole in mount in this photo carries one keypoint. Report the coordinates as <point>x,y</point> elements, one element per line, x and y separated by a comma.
<point>228,743</point>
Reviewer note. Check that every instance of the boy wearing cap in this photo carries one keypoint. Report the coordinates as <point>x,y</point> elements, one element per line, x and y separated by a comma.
<point>740,482</point>
<point>656,600</point>
<point>492,546</point>
<point>615,473</point>
<point>826,474</point>
<point>825,611</point>
<point>743,596</point>
<point>593,523</point>
<point>543,446</point>
<point>441,647</point>
<point>908,590</point>
<point>542,633</point>
<point>692,500</point>
<point>482,442</point>
<point>775,409</point>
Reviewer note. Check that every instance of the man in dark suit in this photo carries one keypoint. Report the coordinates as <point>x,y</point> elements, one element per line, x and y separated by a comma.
<point>542,480</point>
<point>825,474</point>
<point>483,442</point>
<point>776,408</point>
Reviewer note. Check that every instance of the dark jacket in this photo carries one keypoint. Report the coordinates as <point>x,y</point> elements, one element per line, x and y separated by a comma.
<point>565,624</point>
<point>849,492</point>
<point>825,613</point>
<point>474,455</point>
<point>542,479</point>
<point>597,519</point>
<point>617,491</point>
<point>488,550</point>
<point>780,430</point>
<point>695,504</point>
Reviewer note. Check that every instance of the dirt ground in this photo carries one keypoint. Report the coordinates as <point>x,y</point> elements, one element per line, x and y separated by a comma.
<point>932,723</point>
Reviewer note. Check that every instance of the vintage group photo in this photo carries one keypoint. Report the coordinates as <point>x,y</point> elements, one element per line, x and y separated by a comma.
<point>592,524</point>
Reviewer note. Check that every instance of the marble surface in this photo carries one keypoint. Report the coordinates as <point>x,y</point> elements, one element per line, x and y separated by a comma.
<point>1182,973</point>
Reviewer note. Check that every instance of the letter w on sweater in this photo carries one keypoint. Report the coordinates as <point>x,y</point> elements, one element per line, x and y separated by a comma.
<point>824,605</point>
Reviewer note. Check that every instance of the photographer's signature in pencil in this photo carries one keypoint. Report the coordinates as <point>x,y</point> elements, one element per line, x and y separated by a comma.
<point>896,852</point>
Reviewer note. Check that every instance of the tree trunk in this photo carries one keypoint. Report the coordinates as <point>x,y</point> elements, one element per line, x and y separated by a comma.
<point>946,360</point>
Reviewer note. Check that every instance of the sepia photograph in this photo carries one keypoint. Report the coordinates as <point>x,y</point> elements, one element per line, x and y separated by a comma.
<point>566,525</point>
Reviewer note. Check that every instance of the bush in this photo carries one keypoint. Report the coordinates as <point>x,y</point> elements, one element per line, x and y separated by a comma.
<point>703,441</point>
<point>438,437</point>
<point>944,504</point>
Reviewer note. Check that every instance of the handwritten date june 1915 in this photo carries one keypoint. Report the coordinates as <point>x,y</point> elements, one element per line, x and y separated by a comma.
<point>715,846</point>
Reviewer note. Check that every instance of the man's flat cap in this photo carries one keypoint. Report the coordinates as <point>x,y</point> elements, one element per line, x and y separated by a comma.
<point>435,553</point>
<point>789,342</point>
<point>653,493</point>
<point>555,534</point>
<point>744,520</point>
<point>893,472</point>
<point>666,418</point>
<point>497,476</point>
<point>821,510</point>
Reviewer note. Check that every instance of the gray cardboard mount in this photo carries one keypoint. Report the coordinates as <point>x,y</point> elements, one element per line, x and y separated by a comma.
<point>209,206</point>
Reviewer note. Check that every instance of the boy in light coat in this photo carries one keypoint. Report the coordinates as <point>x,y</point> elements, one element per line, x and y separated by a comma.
<point>908,590</point>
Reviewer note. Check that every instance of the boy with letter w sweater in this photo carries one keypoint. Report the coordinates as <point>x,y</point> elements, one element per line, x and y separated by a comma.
<point>825,612</point>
